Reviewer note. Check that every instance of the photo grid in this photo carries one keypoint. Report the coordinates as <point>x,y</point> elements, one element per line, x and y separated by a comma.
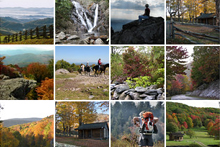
<point>109,73</point>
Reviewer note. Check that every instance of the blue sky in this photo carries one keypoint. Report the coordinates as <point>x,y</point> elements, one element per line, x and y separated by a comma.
<point>76,54</point>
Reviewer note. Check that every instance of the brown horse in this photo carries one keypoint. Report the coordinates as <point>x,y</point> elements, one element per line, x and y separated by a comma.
<point>102,68</point>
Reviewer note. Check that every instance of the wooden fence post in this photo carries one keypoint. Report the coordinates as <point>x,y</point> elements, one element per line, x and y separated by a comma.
<point>37,32</point>
<point>16,37</point>
<point>31,33</point>
<point>51,31</point>
<point>20,35</point>
<point>5,40</point>
<point>173,35</point>
<point>13,39</point>
<point>44,31</point>
<point>25,35</point>
<point>8,38</point>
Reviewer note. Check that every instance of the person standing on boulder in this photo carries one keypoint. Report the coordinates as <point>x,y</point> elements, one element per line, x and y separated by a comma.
<point>99,63</point>
<point>145,15</point>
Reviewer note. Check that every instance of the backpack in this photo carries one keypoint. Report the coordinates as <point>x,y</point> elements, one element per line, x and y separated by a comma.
<point>147,123</point>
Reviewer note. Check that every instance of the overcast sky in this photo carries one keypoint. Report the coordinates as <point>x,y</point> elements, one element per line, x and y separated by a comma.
<point>27,3</point>
<point>131,9</point>
<point>196,103</point>
<point>26,109</point>
<point>26,47</point>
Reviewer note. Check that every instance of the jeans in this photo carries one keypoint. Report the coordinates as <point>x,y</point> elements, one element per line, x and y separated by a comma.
<point>143,17</point>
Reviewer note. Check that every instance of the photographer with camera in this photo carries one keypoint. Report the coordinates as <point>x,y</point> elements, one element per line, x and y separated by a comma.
<point>146,122</point>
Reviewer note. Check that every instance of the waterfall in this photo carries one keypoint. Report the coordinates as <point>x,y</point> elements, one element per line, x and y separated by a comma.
<point>96,15</point>
<point>81,12</point>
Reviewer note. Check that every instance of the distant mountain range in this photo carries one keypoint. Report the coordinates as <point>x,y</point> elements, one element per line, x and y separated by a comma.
<point>11,25</point>
<point>20,51</point>
<point>23,60</point>
<point>17,121</point>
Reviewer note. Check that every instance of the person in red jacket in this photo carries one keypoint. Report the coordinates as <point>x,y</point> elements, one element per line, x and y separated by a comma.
<point>99,63</point>
<point>146,14</point>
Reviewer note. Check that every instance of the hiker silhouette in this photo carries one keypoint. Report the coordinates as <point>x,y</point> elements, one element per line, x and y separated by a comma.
<point>146,14</point>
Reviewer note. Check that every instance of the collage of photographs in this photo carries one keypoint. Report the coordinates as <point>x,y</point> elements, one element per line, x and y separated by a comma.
<point>109,73</point>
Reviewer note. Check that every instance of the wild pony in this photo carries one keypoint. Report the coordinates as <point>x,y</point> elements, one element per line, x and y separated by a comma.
<point>102,68</point>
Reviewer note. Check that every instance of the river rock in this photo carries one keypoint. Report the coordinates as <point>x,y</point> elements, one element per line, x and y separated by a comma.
<point>61,36</point>
<point>57,41</point>
<point>150,31</point>
<point>98,41</point>
<point>16,89</point>
<point>73,37</point>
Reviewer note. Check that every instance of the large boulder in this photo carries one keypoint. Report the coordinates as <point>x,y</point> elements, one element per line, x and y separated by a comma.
<point>16,89</point>
<point>62,71</point>
<point>150,31</point>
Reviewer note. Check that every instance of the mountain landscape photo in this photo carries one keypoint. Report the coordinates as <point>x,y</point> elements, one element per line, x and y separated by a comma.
<point>28,126</point>
<point>24,23</point>
<point>26,73</point>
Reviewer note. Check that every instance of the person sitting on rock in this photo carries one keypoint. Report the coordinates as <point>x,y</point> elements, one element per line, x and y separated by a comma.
<point>145,15</point>
<point>99,63</point>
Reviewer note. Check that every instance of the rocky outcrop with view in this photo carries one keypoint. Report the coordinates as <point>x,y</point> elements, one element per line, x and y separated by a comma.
<point>150,31</point>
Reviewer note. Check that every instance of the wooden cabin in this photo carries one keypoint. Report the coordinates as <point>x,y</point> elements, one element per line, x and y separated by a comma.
<point>93,131</point>
<point>207,18</point>
<point>176,136</point>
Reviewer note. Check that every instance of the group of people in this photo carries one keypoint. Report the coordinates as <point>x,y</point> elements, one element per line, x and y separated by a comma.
<point>87,64</point>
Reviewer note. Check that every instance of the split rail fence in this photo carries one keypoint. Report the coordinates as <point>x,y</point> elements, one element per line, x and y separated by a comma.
<point>173,30</point>
<point>37,33</point>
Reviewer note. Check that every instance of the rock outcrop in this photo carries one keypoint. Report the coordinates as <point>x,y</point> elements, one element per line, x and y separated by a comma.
<point>210,91</point>
<point>15,89</point>
<point>150,31</point>
<point>62,71</point>
<point>123,92</point>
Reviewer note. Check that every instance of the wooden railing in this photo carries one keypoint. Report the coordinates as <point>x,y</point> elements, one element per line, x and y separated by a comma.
<point>171,32</point>
<point>37,33</point>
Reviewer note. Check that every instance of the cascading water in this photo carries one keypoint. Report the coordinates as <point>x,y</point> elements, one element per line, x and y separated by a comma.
<point>85,20</point>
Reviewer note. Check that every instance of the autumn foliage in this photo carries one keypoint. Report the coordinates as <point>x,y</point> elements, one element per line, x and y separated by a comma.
<point>33,134</point>
<point>45,91</point>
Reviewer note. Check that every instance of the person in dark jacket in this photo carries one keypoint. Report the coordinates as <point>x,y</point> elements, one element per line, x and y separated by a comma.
<point>146,14</point>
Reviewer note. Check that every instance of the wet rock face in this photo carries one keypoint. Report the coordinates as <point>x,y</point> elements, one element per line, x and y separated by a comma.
<point>123,92</point>
<point>150,31</point>
<point>15,89</point>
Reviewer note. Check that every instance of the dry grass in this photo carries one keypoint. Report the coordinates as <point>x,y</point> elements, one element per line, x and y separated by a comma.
<point>83,142</point>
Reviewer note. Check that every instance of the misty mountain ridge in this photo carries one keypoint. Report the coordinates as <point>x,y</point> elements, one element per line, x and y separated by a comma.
<point>24,51</point>
<point>23,60</point>
<point>18,121</point>
<point>12,25</point>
